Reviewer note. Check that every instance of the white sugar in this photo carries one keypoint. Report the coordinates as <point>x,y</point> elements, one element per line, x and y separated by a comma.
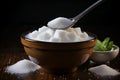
<point>59,22</point>
<point>52,35</point>
<point>49,35</point>
<point>22,66</point>
<point>104,70</point>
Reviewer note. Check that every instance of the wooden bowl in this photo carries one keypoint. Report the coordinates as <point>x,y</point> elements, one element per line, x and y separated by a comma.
<point>58,58</point>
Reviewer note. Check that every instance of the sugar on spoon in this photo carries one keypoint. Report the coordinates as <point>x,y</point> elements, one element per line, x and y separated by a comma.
<point>64,23</point>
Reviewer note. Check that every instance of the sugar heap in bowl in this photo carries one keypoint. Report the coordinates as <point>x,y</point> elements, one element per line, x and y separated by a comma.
<point>58,51</point>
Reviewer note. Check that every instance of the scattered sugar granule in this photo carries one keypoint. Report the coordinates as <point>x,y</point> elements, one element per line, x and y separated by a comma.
<point>22,66</point>
<point>104,70</point>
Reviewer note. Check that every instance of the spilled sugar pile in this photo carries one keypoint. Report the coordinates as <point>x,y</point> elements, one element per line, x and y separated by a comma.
<point>104,70</point>
<point>22,67</point>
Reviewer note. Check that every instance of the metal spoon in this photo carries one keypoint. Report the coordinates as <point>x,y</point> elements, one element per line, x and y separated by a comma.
<point>79,16</point>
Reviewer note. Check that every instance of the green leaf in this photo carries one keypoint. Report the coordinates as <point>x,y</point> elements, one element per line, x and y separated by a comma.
<point>98,45</point>
<point>104,45</point>
<point>110,45</point>
<point>105,41</point>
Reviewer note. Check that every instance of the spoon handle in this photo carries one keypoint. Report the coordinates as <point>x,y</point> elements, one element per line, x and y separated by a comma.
<point>79,16</point>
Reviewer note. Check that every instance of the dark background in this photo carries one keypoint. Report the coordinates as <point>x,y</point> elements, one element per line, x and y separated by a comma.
<point>23,15</point>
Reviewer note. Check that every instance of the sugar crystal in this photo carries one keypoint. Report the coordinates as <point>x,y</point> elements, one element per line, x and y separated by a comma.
<point>104,70</point>
<point>22,66</point>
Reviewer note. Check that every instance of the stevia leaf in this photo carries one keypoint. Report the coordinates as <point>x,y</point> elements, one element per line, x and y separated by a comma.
<point>99,42</point>
<point>110,45</point>
<point>104,45</point>
<point>105,42</point>
<point>98,45</point>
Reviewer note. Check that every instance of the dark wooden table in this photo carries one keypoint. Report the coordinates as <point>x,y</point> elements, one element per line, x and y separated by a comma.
<point>9,56</point>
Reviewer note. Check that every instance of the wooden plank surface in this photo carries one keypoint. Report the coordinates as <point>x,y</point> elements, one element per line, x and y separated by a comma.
<point>9,56</point>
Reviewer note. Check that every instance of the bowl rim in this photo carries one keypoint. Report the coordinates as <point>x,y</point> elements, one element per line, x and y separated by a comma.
<point>92,35</point>
<point>115,47</point>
